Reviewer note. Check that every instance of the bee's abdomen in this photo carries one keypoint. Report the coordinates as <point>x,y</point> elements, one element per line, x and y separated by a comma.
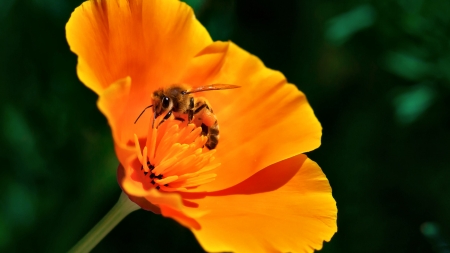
<point>205,117</point>
<point>213,136</point>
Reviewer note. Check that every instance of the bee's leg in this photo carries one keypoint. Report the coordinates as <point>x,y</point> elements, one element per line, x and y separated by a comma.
<point>191,110</point>
<point>200,108</point>
<point>180,116</point>
<point>205,129</point>
<point>165,118</point>
<point>190,115</point>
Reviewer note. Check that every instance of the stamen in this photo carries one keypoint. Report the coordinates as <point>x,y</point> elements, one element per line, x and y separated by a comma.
<point>175,157</point>
<point>193,135</point>
<point>153,144</point>
<point>164,146</point>
<point>137,147</point>
<point>166,180</point>
<point>163,166</point>
<point>144,160</point>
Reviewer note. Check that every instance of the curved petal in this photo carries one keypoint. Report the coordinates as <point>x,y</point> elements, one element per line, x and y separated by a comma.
<point>265,121</point>
<point>146,40</point>
<point>111,103</point>
<point>287,207</point>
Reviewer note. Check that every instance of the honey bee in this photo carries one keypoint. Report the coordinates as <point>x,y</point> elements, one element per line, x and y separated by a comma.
<point>179,101</point>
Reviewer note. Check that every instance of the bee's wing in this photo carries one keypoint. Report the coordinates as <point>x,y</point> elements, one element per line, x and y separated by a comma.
<point>217,86</point>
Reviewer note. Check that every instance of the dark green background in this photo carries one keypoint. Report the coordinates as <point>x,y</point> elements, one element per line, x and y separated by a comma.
<point>377,74</point>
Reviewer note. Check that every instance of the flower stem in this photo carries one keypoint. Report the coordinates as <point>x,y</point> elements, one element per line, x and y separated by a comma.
<point>120,210</point>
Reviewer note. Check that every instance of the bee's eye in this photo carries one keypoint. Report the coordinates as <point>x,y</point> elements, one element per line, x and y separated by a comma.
<point>165,102</point>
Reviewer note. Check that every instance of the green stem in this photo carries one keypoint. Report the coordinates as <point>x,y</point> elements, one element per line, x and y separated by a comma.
<point>120,210</point>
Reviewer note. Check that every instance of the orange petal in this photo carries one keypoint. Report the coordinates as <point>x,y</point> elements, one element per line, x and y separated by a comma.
<point>112,102</point>
<point>265,121</point>
<point>147,40</point>
<point>287,207</point>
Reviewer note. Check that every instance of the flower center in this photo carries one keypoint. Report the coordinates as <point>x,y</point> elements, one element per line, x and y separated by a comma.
<point>175,157</point>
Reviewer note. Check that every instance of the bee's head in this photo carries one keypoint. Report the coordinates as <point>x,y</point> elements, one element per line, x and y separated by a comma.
<point>161,103</point>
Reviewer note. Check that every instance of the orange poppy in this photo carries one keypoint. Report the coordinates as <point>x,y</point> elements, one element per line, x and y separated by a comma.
<point>255,191</point>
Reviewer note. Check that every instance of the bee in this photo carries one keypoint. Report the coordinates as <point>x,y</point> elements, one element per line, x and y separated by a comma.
<point>179,101</point>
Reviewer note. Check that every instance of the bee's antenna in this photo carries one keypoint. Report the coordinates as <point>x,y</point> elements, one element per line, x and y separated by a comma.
<point>142,113</point>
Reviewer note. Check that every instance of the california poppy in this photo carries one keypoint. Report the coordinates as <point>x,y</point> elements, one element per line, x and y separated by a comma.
<point>256,191</point>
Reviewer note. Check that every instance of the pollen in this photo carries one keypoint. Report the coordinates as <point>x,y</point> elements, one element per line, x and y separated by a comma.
<point>175,157</point>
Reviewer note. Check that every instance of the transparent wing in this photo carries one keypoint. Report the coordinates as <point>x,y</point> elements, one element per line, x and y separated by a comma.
<point>217,86</point>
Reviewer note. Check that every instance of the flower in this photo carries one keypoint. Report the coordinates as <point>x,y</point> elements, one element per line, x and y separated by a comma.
<point>256,191</point>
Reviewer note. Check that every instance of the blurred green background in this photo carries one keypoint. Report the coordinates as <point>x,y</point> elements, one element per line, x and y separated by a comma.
<point>377,74</point>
